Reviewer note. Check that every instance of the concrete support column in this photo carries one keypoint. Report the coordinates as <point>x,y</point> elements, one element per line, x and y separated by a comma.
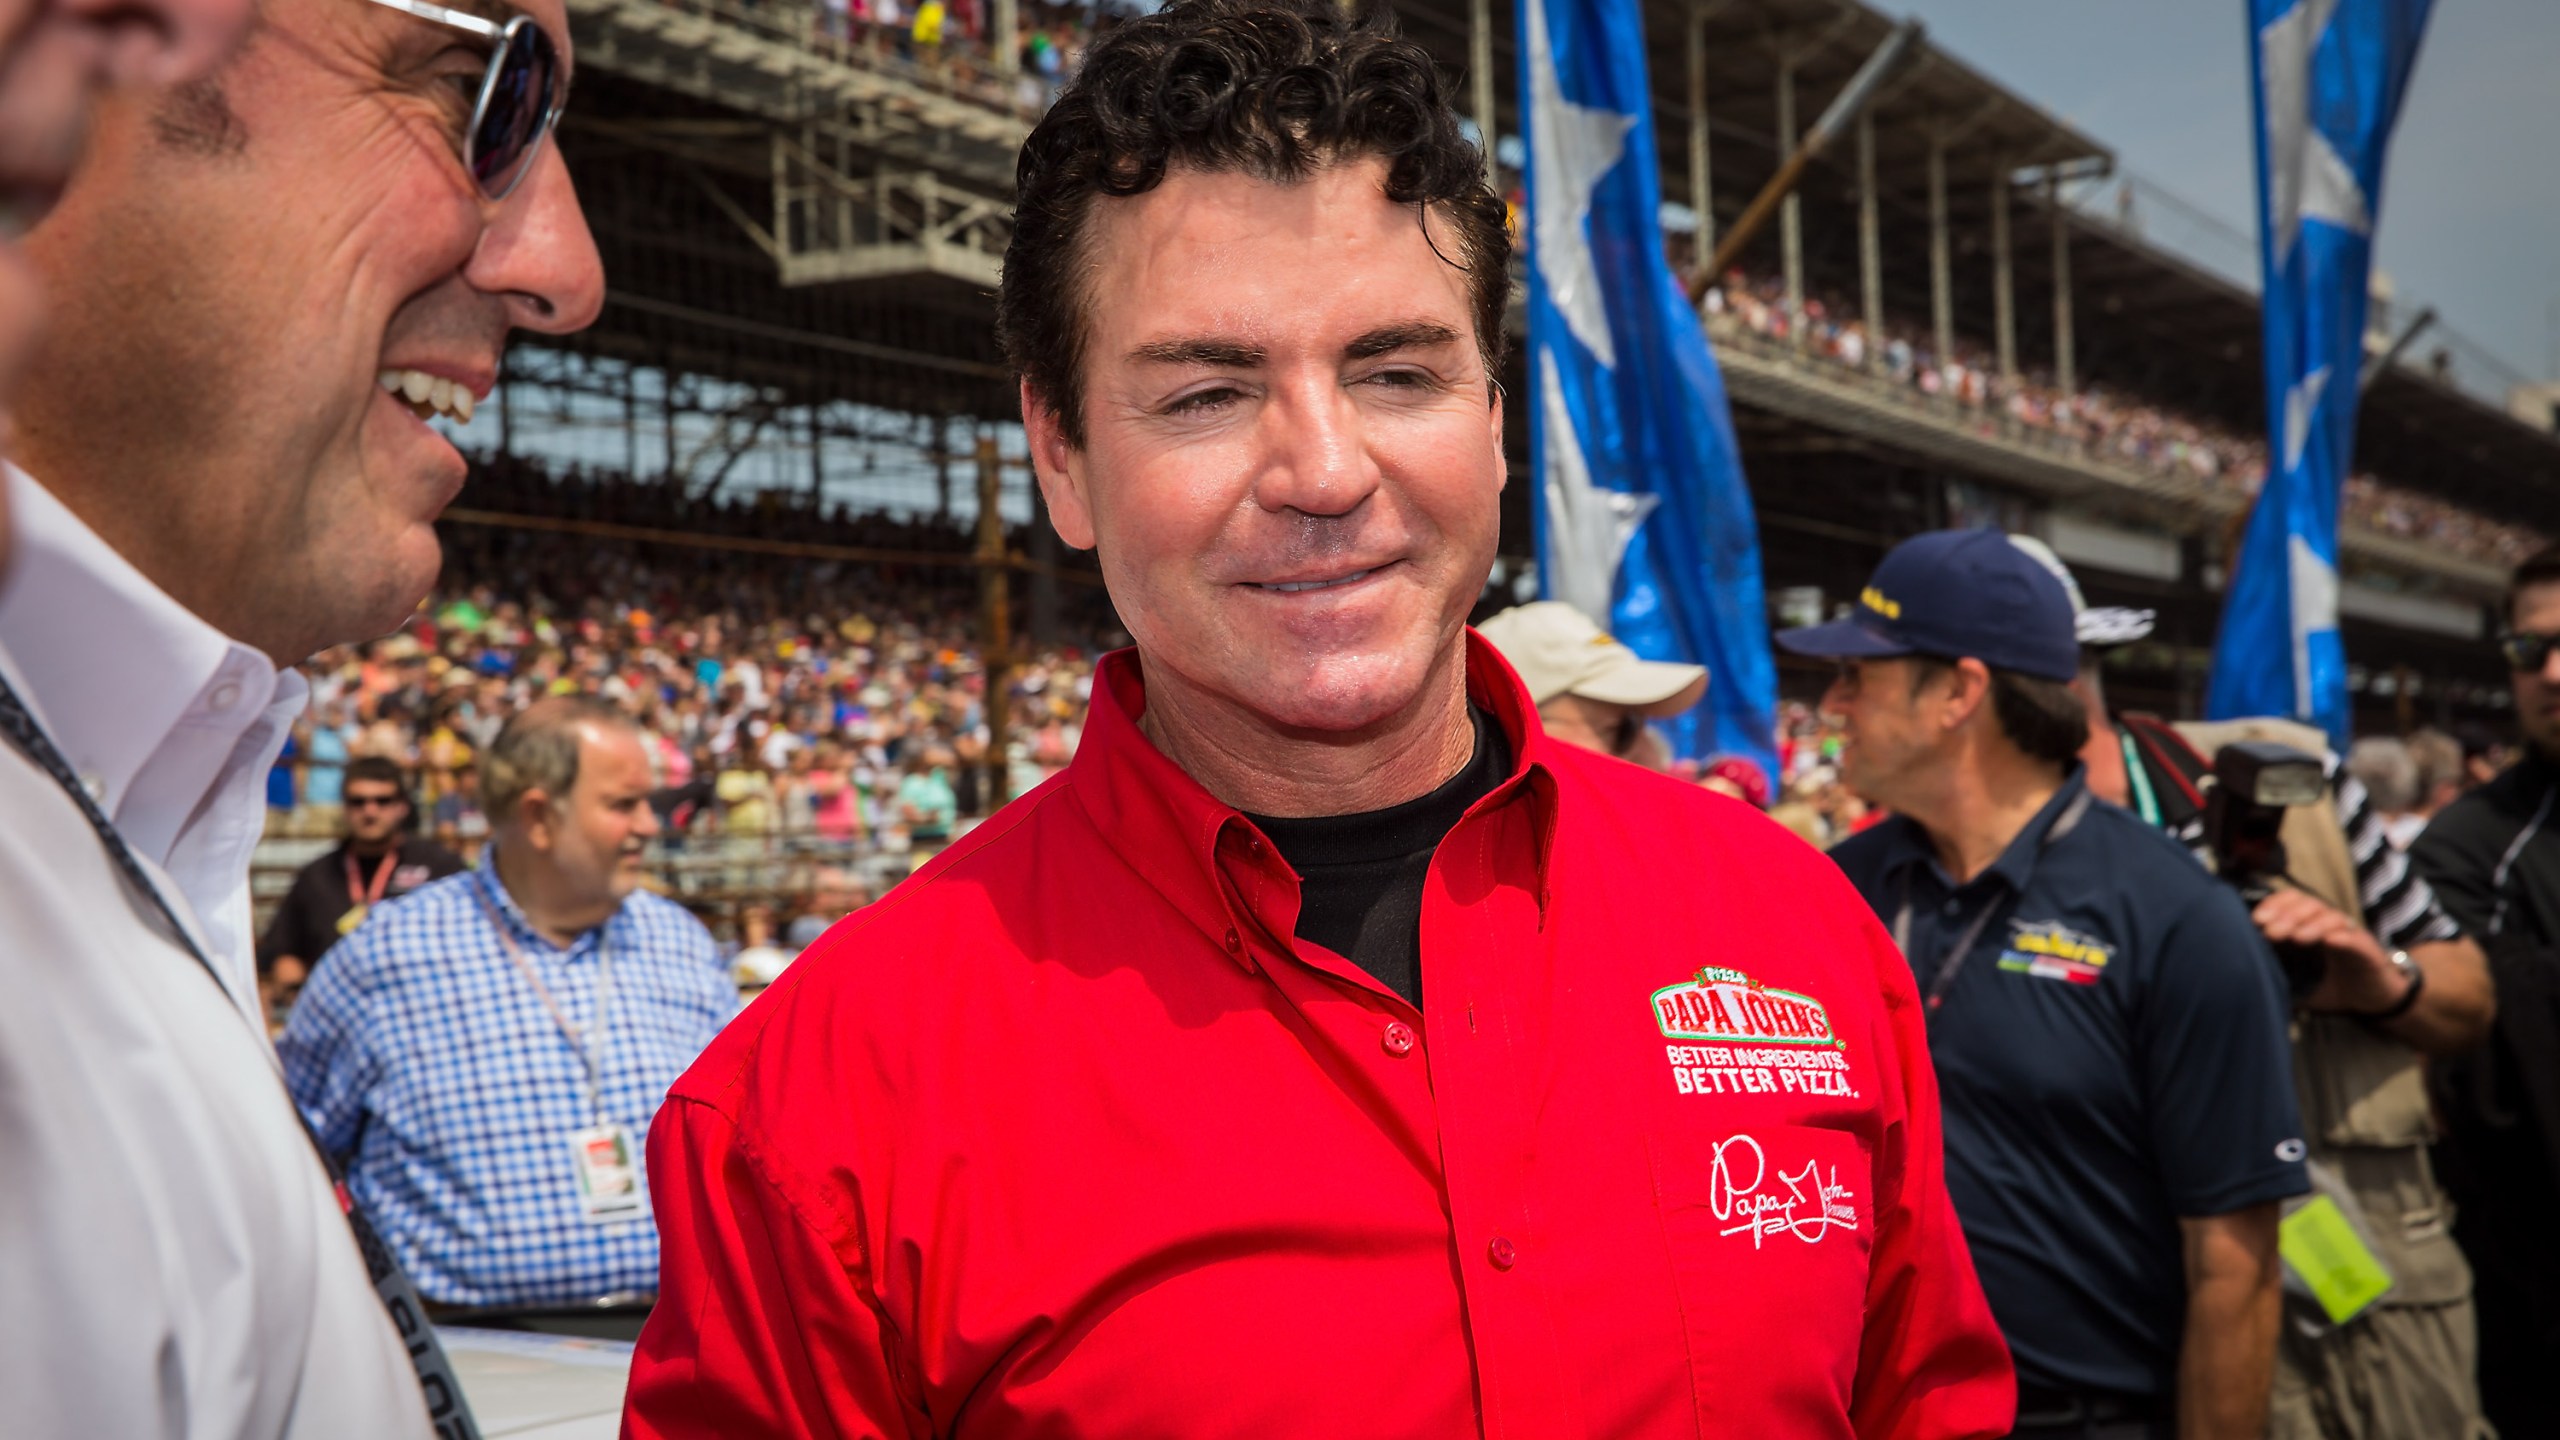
<point>1942,304</point>
<point>631,420</point>
<point>1480,79</point>
<point>817,458</point>
<point>942,458</point>
<point>2004,295</point>
<point>2066,366</point>
<point>1701,172</point>
<point>995,612</point>
<point>1791,212</point>
<point>1870,244</point>
<point>667,413</point>
<point>1008,38</point>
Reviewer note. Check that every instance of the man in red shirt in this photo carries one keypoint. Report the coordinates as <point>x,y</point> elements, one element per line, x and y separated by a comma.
<point>1326,1051</point>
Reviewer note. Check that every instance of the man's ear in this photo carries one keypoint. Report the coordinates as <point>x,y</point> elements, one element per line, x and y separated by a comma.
<point>534,807</point>
<point>1968,691</point>
<point>1059,467</point>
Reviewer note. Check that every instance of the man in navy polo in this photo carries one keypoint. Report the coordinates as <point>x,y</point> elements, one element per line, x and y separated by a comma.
<point>2108,1029</point>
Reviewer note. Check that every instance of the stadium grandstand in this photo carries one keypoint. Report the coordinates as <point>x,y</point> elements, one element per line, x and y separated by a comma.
<point>789,444</point>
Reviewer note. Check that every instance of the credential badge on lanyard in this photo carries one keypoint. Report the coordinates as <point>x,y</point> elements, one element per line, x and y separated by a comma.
<point>601,1156</point>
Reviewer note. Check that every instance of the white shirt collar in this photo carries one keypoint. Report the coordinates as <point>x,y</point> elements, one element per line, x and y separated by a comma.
<point>115,666</point>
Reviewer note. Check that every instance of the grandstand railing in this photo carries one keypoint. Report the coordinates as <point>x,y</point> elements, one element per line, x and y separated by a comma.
<point>715,872</point>
<point>1775,374</point>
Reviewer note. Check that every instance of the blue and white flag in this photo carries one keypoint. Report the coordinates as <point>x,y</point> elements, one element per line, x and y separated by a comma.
<point>2328,76</point>
<point>1643,521</point>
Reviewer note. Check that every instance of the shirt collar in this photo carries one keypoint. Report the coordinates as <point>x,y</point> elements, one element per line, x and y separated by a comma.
<point>1204,856</point>
<point>511,916</point>
<point>116,664</point>
<point>2017,862</point>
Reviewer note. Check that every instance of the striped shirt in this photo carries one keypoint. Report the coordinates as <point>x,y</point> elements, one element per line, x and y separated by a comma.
<point>2399,905</point>
<point>423,1056</point>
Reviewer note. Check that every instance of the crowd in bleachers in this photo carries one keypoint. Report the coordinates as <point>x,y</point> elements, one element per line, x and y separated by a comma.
<point>831,710</point>
<point>950,43</point>
<point>2097,420</point>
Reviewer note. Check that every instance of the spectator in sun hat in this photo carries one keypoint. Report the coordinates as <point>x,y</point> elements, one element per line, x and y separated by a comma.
<point>1591,690</point>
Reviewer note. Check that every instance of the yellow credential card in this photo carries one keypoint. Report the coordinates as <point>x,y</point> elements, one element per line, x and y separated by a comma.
<point>2325,1251</point>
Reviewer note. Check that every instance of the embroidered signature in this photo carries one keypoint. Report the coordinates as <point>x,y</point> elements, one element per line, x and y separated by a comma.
<point>1808,1207</point>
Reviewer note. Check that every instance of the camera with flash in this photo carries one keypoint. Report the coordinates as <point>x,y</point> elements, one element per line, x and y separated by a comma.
<point>2254,783</point>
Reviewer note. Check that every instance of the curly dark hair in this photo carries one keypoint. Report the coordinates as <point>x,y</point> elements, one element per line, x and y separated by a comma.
<point>1277,89</point>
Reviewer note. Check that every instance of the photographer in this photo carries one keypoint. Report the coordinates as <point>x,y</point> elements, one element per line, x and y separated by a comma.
<point>2108,1032</point>
<point>2387,979</point>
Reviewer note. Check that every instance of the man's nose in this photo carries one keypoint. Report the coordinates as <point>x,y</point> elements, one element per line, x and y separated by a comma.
<point>153,43</point>
<point>2549,674</point>
<point>538,256</point>
<point>1317,459</point>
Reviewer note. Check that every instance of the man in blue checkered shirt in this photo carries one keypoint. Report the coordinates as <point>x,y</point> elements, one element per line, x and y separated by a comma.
<point>486,1053</point>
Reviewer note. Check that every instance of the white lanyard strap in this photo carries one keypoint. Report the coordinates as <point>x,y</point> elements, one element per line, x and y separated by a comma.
<point>588,1057</point>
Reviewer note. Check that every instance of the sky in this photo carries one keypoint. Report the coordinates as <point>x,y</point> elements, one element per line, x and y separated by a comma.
<point>2471,202</point>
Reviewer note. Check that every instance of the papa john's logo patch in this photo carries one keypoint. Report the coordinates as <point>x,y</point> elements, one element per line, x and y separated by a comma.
<point>1765,1041</point>
<point>1728,1005</point>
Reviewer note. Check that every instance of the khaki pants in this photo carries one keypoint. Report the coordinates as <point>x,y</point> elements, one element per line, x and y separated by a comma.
<point>2397,1373</point>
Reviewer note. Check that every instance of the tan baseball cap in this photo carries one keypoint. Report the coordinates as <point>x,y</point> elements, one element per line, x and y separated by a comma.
<point>1558,651</point>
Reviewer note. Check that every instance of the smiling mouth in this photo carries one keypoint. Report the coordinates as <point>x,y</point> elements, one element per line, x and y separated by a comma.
<point>1298,587</point>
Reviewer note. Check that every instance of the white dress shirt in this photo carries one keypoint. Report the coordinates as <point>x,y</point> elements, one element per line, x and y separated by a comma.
<point>172,1261</point>
<point>172,724</point>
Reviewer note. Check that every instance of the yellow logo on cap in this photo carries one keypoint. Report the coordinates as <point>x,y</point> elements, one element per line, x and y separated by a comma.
<point>1874,599</point>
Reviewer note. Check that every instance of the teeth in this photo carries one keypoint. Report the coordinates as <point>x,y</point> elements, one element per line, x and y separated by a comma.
<point>1294,586</point>
<point>428,395</point>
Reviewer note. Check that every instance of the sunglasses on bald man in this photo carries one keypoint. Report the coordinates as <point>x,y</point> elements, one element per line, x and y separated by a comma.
<point>520,97</point>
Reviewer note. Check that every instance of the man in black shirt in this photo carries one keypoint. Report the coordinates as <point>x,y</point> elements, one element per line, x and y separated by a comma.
<point>379,860</point>
<point>2493,857</point>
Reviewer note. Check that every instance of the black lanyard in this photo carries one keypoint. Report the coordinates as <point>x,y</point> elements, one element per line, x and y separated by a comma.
<point>1945,978</point>
<point>446,1407</point>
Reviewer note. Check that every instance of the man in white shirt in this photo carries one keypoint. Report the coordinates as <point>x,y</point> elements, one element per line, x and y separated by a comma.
<point>264,283</point>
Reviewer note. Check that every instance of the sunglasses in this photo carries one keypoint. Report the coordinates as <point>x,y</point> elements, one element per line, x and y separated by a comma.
<point>373,802</point>
<point>2527,652</point>
<point>520,97</point>
<point>1626,734</point>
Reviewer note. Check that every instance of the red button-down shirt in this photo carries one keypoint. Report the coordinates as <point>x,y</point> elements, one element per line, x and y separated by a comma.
<point>1069,1136</point>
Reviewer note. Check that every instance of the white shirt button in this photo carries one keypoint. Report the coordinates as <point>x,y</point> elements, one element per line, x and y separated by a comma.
<point>223,696</point>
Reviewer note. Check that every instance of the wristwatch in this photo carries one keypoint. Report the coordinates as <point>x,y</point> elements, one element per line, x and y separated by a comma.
<point>2403,964</point>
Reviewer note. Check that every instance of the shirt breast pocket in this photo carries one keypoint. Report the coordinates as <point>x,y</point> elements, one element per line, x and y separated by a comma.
<point>1768,1227</point>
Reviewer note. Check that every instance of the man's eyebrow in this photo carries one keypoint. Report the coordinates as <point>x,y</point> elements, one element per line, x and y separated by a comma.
<point>1411,335</point>
<point>1234,354</point>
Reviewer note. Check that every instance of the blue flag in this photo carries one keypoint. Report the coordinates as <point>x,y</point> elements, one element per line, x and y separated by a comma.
<point>1643,521</point>
<point>2328,76</point>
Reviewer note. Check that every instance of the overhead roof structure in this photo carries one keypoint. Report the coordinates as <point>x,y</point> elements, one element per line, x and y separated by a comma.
<point>823,219</point>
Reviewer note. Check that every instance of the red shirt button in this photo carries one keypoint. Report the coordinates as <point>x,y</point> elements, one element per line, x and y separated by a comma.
<point>1398,1039</point>
<point>1502,1253</point>
<point>1235,942</point>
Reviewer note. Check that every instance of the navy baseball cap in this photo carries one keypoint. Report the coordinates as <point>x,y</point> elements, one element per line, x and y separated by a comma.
<point>1950,594</point>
